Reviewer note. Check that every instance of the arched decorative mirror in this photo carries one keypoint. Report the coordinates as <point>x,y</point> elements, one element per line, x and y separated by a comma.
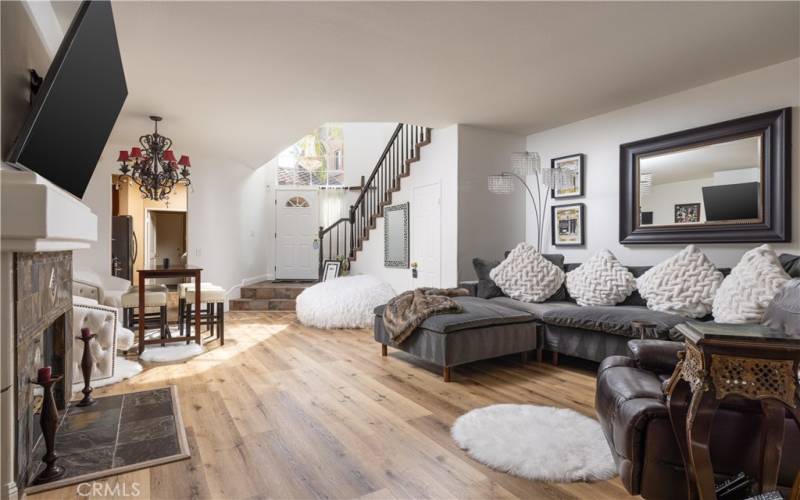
<point>722,183</point>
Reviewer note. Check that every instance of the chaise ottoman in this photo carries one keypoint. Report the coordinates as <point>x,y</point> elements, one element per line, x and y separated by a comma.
<point>483,330</point>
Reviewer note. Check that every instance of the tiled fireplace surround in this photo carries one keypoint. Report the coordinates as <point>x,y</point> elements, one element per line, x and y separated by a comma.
<point>43,326</point>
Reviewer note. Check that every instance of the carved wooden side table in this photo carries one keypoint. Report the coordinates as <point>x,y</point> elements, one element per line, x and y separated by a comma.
<point>746,361</point>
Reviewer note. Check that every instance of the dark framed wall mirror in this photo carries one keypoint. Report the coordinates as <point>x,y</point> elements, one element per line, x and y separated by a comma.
<point>729,182</point>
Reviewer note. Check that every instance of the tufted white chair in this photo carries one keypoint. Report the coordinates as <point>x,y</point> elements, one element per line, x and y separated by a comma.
<point>101,320</point>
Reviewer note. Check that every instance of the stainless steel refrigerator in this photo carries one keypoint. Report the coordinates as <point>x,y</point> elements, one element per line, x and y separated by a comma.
<point>123,246</point>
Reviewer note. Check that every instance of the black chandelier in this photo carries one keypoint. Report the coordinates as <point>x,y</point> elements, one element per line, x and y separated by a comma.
<point>153,166</point>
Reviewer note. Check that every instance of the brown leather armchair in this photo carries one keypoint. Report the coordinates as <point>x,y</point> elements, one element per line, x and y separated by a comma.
<point>631,406</point>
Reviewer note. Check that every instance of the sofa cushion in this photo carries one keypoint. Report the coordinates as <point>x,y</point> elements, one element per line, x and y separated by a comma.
<point>476,313</point>
<point>686,284</point>
<point>486,288</point>
<point>526,275</point>
<point>611,319</point>
<point>791,264</point>
<point>600,281</point>
<point>783,313</point>
<point>747,291</point>
<point>538,309</point>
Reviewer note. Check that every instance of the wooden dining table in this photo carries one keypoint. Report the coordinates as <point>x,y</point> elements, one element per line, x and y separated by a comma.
<point>184,271</point>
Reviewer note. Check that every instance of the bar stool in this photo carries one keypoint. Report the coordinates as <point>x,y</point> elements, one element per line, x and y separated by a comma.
<point>154,296</point>
<point>182,299</point>
<point>214,317</point>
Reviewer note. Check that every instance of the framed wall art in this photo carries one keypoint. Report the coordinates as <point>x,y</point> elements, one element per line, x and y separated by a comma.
<point>572,176</point>
<point>567,223</point>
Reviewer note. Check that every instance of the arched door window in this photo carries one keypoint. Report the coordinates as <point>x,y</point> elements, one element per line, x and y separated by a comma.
<point>297,202</point>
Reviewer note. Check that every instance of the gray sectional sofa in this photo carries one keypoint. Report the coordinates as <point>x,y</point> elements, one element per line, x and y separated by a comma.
<point>592,333</point>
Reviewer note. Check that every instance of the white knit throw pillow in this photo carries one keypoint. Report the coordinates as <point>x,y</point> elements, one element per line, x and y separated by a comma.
<point>527,276</point>
<point>747,291</point>
<point>685,284</point>
<point>600,281</point>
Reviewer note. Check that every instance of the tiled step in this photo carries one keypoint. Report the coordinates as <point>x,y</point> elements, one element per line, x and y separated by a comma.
<point>269,296</point>
<point>262,304</point>
<point>272,292</point>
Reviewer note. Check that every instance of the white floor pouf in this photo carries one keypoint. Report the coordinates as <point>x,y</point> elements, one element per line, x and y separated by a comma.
<point>346,302</point>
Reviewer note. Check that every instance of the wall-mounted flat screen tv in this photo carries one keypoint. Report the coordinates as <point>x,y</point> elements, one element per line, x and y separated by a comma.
<point>77,105</point>
<point>731,201</point>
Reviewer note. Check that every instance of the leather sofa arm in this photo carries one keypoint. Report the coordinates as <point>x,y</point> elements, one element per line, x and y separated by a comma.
<point>657,356</point>
<point>470,286</point>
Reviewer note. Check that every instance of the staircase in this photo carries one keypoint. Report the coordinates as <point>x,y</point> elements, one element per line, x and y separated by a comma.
<point>345,237</point>
<point>269,296</point>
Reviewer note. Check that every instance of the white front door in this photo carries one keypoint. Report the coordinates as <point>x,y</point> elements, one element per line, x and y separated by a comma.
<point>296,233</point>
<point>426,235</point>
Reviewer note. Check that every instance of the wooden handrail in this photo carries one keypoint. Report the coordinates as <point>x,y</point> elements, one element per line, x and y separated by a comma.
<point>368,184</point>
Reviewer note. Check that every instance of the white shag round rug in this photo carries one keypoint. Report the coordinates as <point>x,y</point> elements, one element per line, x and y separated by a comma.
<point>345,302</point>
<point>170,353</point>
<point>536,442</point>
<point>124,369</point>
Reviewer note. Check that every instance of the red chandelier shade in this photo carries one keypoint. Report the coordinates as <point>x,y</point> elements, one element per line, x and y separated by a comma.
<point>184,161</point>
<point>169,156</point>
<point>136,152</point>
<point>123,156</point>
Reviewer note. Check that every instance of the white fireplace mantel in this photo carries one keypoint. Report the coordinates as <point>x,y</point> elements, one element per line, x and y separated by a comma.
<point>35,216</point>
<point>38,216</point>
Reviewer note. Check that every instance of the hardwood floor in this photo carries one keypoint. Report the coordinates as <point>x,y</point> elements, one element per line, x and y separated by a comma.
<point>285,411</point>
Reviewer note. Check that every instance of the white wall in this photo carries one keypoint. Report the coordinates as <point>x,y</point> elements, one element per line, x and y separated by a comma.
<point>438,163</point>
<point>663,197</point>
<point>228,208</point>
<point>599,138</point>
<point>489,224</point>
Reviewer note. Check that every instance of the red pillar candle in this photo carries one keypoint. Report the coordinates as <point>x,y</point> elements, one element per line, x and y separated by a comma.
<point>85,332</point>
<point>44,374</point>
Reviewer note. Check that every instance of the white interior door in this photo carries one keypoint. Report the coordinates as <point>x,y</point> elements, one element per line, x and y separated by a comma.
<point>426,235</point>
<point>296,233</point>
<point>150,240</point>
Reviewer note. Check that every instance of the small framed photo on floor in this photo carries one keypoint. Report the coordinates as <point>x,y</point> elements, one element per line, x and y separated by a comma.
<point>571,185</point>
<point>567,223</point>
<point>330,270</point>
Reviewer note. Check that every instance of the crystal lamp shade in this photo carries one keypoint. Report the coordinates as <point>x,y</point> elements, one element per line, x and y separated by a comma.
<point>525,163</point>
<point>501,184</point>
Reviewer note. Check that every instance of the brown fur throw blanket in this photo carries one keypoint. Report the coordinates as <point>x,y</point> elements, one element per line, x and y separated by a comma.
<point>409,309</point>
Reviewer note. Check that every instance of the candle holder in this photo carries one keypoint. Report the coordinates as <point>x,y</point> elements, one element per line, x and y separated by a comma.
<point>49,423</point>
<point>87,363</point>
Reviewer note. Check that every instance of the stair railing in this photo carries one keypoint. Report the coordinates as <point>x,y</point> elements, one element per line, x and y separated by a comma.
<point>344,238</point>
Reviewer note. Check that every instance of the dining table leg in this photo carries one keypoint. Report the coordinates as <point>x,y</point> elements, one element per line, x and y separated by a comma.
<point>197,336</point>
<point>141,312</point>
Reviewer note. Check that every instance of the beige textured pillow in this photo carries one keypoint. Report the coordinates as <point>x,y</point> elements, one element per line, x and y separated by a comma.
<point>685,284</point>
<point>600,281</point>
<point>747,291</point>
<point>527,276</point>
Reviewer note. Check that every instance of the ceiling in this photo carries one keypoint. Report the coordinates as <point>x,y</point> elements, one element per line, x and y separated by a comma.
<point>242,80</point>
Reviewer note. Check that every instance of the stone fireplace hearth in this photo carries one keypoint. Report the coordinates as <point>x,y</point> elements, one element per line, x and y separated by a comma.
<point>43,317</point>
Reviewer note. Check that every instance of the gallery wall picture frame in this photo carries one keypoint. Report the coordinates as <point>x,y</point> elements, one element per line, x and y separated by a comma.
<point>574,165</point>
<point>568,224</point>
<point>686,213</point>
<point>331,270</point>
